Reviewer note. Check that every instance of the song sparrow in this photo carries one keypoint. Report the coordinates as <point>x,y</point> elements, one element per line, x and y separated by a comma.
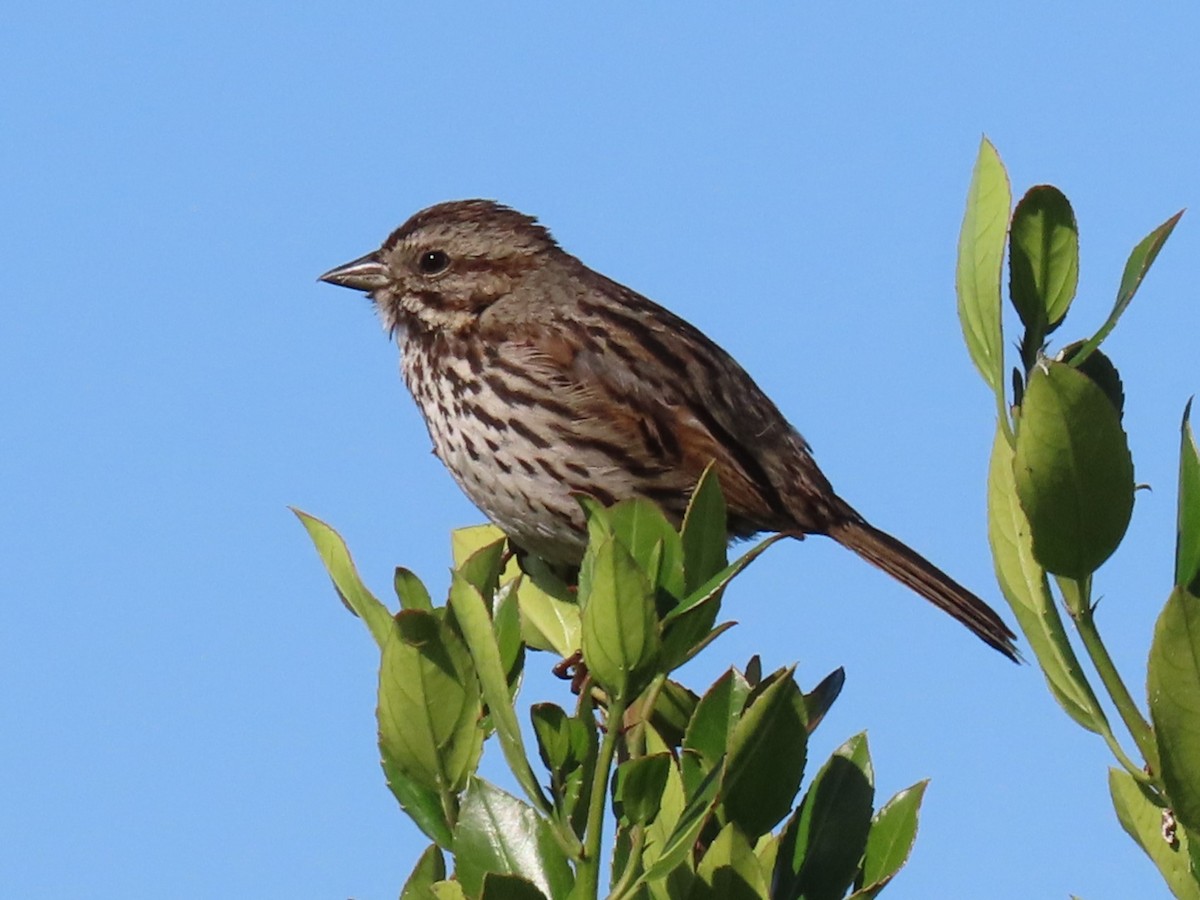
<point>539,378</point>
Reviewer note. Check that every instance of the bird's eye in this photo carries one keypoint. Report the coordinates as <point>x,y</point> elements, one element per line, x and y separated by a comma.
<point>433,261</point>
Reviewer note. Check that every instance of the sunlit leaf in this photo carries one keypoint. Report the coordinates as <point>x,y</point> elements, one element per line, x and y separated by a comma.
<point>620,627</point>
<point>472,614</point>
<point>1141,815</point>
<point>767,752</point>
<point>980,257</point>
<point>730,870</point>
<point>1187,540</point>
<point>429,703</point>
<point>1173,683</point>
<point>430,867</point>
<point>354,594</point>
<point>890,841</point>
<point>1136,267</point>
<point>1073,471</point>
<point>498,833</point>
<point>705,537</point>
<point>1023,583</point>
<point>1043,259</point>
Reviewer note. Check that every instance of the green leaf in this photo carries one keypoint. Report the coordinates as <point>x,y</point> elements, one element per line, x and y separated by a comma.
<point>818,701</point>
<point>682,838</point>
<point>767,752</point>
<point>472,614</point>
<point>509,887</point>
<point>980,257</point>
<point>1073,471</point>
<point>661,831</point>
<point>448,890</point>
<point>730,870</point>
<point>1023,583</point>
<point>423,805</point>
<point>711,589</point>
<point>1136,267</point>
<point>645,532</point>
<point>354,594</point>
<point>890,841</point>
<point>564,742</point>
<point>548,621</point>
<point>673,710</point>
<point>620,627</point>
<point>716,715</point>
<point>1043,260</point>
<point>705,537</point>
<point>1100,369</point>
<point>410,591</point>
<point>1187,540</point>
<point>429,704</point>
<point>1173,682</point>
<point>639,788</point>
<point>466,542</point>
<point>481,568</point>
<point>506,620</point>
<point>1141,815</point>
<point>498,833</point>
<point>824,842</point>
<point>430,867</point>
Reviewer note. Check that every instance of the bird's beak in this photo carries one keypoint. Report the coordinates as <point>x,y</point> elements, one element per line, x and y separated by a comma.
<point>367,273</point>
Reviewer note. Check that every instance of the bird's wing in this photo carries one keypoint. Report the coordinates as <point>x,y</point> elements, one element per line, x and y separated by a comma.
<point>660,415</point>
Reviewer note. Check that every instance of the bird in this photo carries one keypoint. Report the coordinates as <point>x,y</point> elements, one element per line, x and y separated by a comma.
<point>539,379</point>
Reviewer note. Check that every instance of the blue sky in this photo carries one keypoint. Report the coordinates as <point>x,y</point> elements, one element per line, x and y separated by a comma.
<point>186,708</point>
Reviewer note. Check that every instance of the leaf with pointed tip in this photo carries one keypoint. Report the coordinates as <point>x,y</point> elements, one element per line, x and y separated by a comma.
<point>620,626</point>
<point>1140,260</point>
<point>708,591</point>
<point>705,537</point>
<point>641,526</point>
<point>353,593</point>
<point>716,715</point>
<point>824,841</point>
<point>410,591</point>
<point>890,841</point>
<point>430,867</point>
<point>1187,533</point>
<point>482,568</point>
<point>980,258</point>
<point>472,614</point>
<point>818,701</point>
<point>767,751</point>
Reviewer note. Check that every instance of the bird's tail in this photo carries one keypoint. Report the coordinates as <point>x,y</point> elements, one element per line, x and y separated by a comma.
<point>911,569</point>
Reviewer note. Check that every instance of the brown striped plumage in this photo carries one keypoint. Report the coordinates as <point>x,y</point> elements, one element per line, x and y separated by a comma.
<point>539,378</point>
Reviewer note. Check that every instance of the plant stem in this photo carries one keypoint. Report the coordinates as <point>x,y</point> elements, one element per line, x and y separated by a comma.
<point>587,876</point>
<point>637,838</point>
<point>1132,717</point>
